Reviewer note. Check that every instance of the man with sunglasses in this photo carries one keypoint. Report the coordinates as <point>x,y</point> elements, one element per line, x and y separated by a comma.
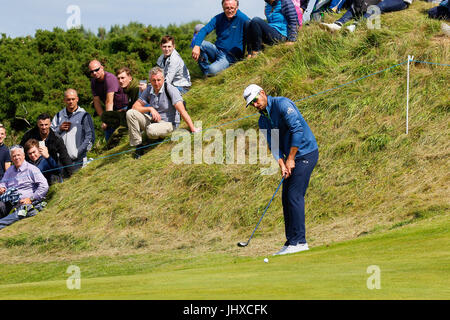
<point>297,156</point>
<point>107,90</point>
<point>230,27</point>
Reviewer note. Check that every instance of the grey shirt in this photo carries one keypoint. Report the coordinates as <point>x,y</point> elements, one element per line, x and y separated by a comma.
<point>162,103</point>
<point>175,71</point>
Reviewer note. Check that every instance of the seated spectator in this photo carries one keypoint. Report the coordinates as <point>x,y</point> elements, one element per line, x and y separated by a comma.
<point>442,11</point>
<point>358,9</point>
<point>161,117</point>
<point>106,89</point>
<point>5,158</point>
<point>230,27</point>
<point>76,129</point>
<point>55,145</point>
<point>197,29</point>
<point>22,190</point>
<point>336,5</point>
<point>175,71</point>
<point>40,158</point>
<point>281,26</point>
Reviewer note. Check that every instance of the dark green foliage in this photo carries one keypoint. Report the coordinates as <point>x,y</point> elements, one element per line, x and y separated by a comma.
<point>35,71</point>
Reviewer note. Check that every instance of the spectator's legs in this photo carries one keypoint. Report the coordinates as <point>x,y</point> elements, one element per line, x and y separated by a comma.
<point>14,217</point>
<point>220,64</point>
<point>159,130</point>
<point>389,6</point>
<point>208,54</point>
<point>212,60</point>
<point>345,18</point>
<point>5,208</point>
<point>108,132</point>
<point>260,32</point>
<point>9,220</point>
<point>439,12</point>
<point>137,122</point>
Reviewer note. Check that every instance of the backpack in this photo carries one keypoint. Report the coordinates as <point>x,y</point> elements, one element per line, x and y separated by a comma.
<point>315,10</point>
<point>360,6</point>
<point>299,12</point>
<point>170,98</point>
<point>91,125</point>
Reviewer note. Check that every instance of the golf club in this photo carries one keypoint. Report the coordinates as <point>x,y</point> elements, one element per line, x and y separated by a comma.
<point>244,244</point>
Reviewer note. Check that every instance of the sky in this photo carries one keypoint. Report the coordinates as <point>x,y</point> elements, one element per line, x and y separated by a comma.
<point>24,17</point>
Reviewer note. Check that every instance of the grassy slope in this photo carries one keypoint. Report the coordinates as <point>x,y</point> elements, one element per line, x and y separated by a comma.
<point>371,177</point>
<point>413,261</point>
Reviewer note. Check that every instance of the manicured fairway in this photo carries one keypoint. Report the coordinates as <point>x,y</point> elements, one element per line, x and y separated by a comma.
<point>414,262</point>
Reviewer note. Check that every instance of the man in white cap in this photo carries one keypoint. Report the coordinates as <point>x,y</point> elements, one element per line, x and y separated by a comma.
<point>297,156</point>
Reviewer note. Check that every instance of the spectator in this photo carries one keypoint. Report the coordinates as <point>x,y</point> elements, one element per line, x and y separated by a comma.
<point>22,190</point>
<point>161,117</point>
<point>107,90</point>
<point>297,156</point>
<point>56,148</point>
<point>131,88</point>
<point>40,158</point>
<point>230,27</point>
<point>281,25</point>
<point>442,11</point>
<point>358,8</point>
<point>75,127</point>
<point>5,158</point>
<point>175,71</point>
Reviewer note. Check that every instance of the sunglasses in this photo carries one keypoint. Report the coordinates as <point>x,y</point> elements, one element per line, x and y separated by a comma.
<point>95,70</point>
<point>254,100</point>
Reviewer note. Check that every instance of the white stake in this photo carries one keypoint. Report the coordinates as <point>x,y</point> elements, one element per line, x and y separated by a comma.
<point>410,58</point>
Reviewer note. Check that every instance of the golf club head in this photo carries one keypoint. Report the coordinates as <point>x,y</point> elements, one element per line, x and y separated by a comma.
<point>242,244</point>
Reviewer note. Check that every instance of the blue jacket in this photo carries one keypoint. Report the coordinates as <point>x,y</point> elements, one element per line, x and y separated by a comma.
<point>230,34</point>
<point>282,16</point>
<point>283,114</point>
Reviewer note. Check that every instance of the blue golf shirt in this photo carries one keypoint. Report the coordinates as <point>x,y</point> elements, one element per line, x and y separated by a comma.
<point>230,33</point>
<point>283,114</point>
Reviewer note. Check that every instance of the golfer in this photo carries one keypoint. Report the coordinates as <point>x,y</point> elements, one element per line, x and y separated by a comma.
<point>297,156</point>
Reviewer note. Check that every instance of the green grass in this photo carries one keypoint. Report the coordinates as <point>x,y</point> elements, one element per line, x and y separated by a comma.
<point>414,264</point>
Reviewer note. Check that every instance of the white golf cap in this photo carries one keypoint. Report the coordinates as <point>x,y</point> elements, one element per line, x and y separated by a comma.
<point>251,92</point>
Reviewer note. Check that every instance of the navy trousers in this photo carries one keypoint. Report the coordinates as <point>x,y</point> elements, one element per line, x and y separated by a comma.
<point>293,198</point>
<point>259,33</point>
<point>11,218</point>
<point>385,6</point>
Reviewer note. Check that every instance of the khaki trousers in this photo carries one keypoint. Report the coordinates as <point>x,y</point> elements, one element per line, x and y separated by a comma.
<point>138,122</point>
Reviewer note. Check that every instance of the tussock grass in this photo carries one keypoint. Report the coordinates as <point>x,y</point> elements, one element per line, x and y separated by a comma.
<point>371,176</point>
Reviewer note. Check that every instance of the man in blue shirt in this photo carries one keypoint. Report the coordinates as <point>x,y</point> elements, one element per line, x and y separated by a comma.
<point>297,156</point>
<point>230,27</point>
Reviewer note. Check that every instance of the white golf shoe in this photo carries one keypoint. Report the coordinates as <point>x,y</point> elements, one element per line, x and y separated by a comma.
<point>281,251</point>
<point>294,249</point>
<point>351,28</point>
<point>331,26</point>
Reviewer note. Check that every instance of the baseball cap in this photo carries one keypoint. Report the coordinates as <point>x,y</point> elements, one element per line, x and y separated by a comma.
<point>251,92</point>
<point>198,27</point>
